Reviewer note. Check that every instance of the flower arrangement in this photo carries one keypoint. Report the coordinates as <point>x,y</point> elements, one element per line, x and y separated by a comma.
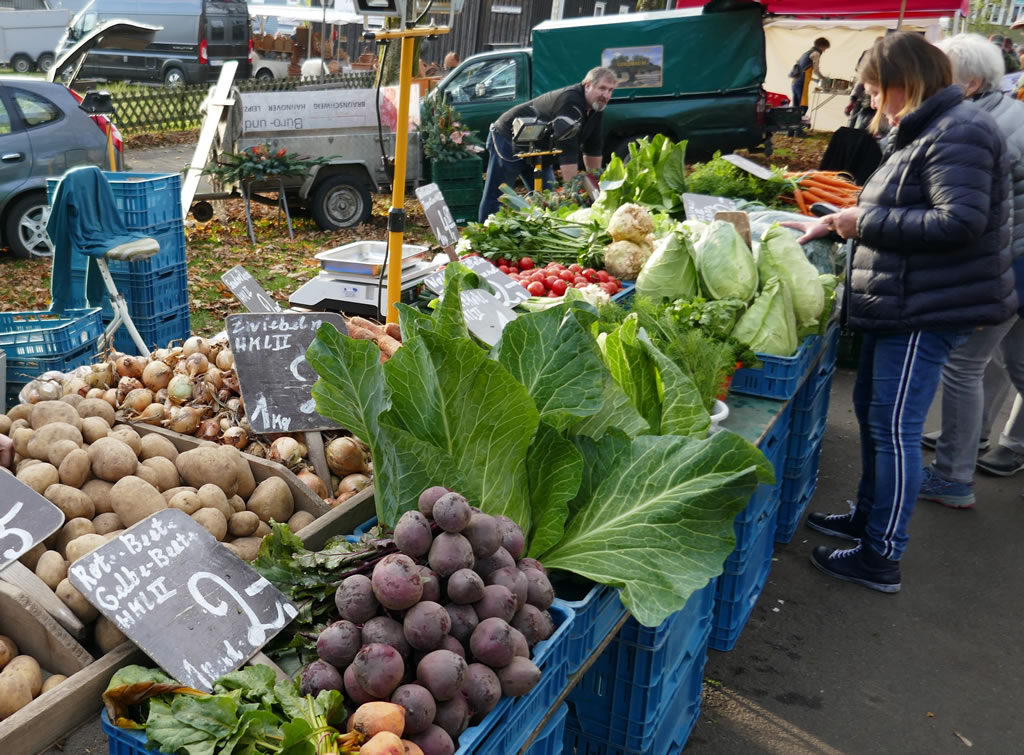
<point>443,136</point>
<point>258,162</point>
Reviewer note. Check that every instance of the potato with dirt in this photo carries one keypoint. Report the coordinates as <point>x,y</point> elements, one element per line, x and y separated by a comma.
<point>133,499</point>
<point>112,459</point>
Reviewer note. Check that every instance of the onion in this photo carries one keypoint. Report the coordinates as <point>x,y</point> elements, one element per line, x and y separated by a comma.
<point>110,396</point>
<point>215,377</point>
<point>209,429</point>
<point>287,451</point>
<point>96,393</point>
<point>224,396</point>
<point>230,381</point>
<point>233,404</point>
<point>256,449</point>
<point>160,395</point>
<point>100,376</point>
<point>179,389</point>
<point>161,354</point>
<point>196,364</point>
<point>191,346</point>
<point>345,456</point>
<point>156,375</point>
<point>313,482</point>
<point>225,359</point>
<point>154,414</point>
<point>202,392</point>
<point>129,366</point>
<point>137,400</point>
<point>46,391</point>
<point>125,386</point>
<point>183,419</point>
<point>235,436</point>
<point>243,422</point>
<point>74,385</point>
<point>353,483</point>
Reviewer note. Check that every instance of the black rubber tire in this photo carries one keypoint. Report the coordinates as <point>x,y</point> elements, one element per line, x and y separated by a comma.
<point>45,62</point>
<point>341,201</point>
<point>264,74</point>
<point>174,77</point>
<point>25,230</point>
<point>21,64</point>
<point>622,145</point>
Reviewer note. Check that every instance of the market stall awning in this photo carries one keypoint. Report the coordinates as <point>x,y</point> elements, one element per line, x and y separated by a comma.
<point>861,8</point>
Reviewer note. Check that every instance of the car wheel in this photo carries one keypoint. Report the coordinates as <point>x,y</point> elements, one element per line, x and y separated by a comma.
<point>174,77</point>
<point>265,74</point>
<point>622,145</point>
<point>21,63</point>
<point>341,201</point>
<point>26,227</point>
<point>45,62</point>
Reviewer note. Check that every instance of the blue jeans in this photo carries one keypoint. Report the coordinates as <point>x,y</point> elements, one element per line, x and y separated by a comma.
<point>896,381</point>
<point>502,168</point>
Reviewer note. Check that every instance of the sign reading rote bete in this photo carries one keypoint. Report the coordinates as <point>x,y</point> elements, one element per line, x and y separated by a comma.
<point>182,597</point>
<point>26,519</point>
<point>276,380</point>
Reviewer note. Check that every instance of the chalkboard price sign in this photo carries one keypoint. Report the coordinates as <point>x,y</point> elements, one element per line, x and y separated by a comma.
<point>26,519</point>
<point>270,359</point>
<point>182,597</point>
<point>704,207</point>
<point>485,316</point>
<point>248,291</point>
<point>438,215</point>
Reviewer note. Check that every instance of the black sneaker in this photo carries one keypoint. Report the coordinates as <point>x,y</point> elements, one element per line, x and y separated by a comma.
<point>848,526</point>
<point>930,440</point>
<point>860,565</point>
<point>1001,461</point>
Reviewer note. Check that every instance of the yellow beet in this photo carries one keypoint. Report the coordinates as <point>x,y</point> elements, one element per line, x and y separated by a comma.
<point>411,748</point>
<point>384,743</point>
<point>372,718</point>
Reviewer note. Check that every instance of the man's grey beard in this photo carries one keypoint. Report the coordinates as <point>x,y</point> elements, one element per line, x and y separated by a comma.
<point>598,106</point>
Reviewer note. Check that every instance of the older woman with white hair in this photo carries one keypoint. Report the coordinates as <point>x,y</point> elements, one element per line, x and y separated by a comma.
<point>978,69</point>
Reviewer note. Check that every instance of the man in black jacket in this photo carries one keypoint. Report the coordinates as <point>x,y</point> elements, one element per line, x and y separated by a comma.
<point>578,104</point>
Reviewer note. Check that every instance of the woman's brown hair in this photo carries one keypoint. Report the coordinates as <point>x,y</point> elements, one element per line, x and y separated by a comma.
<point>905,59</point>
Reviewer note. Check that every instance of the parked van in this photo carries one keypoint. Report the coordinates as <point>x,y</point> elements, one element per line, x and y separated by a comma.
<point>195,40</point>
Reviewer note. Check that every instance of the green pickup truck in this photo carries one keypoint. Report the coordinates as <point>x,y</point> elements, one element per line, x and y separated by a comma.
<point>689,74</point>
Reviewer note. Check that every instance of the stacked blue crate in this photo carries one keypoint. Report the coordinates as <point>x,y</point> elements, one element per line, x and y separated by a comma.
<point>643,692</point>
<point>156,289</point>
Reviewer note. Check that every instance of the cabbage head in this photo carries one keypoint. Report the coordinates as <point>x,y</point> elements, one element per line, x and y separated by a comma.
<point>769,326</point>
<point>670,272</point>
<point>726,266</point>
<point>782,256</point>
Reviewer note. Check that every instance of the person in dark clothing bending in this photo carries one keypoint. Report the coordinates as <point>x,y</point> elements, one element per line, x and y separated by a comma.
<point>578,103</point>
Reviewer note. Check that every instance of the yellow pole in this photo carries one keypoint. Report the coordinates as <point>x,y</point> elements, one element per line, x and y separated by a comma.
<point>396,216</point>
<point>110,147</point>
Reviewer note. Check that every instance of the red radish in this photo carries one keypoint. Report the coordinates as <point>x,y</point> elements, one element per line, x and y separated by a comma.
<point>575,269</point>
<point>589,273</point>
<point>603,276</point>
<point>525,263</point>
<point>558,287</point>
<point>536,288</point>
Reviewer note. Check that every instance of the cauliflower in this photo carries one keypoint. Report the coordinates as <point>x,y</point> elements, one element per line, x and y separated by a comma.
<point>630,222</point>
<point>582,215</point>
<point>624,259</point>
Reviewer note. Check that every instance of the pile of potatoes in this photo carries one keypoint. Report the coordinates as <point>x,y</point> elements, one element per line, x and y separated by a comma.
<point>21,679</point>
<point>105,477</point>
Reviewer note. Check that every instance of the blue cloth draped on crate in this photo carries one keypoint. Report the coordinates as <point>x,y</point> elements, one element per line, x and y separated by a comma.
<point>84,219</point>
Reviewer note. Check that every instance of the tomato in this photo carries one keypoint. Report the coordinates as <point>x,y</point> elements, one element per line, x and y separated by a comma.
<point>603,276</point>
<point>552,295</point>
<point>588,273</point>
<point>551,280</point>
<point>558,287</point>
<point>524,284</point>
<point>609,288</point>
<point>536,288</point>
<point>580,284</point>
<point>616,281</point>
<point>513,269</point>
<point>580,279</point>
<point>537,277</point>
<point>503,268</point>
<point>574,268</point>
<point>567,276</point>
<point>526,263</point>
<point>557,266</point>
<point>514,276</point>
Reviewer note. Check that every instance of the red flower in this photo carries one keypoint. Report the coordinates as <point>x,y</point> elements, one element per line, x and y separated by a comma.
<point>281,152</point>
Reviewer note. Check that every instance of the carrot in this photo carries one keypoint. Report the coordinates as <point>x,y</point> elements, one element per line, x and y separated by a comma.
<point>829,196</point>
<point>361,334</point>
<point>362,322</point>
<point>800,202</point>
<point>394,330</point>
<point>388,345</point>
<point>836,182</point>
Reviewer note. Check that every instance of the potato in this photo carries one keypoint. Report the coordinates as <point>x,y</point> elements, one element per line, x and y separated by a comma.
<point>14,694</point>
<point>148,474</point>
<point>166,472</point>
<point>169,494</point>
<point>52,568</point>
<point>94,428</point>
<point>54,679</point>
<point>133,499</point>
<point>112,534</point>
<point>20,464</point>
<point>21,436</point>
<point>157,445</point>
<point>28,669</point>
<point>46,412</point>
<point>206,465</point>
<point>8,645</point>
<point>299,520</point>
<point>30,558</point>
<point>105,523</point>
<point>262,531</point>
<point>213,522</point>
<point>74,468</point>
<point>18,424</point>
<point>72,399</point>
<point>74,600</point>
<point>20,411</point>
<point>46,437</point>
<point>59,451</point>
<point>128,435</point>
<point>243,523</point>
<point>80,546</point>
<point>246,548</point>
<point>237,503</point>
<point>5,655</point>
<point>72,529</point>
<point>96,407</point>
<point>272,499</point>
<point>214,498</point>
<point>245,483</point>
<point>71,501</point>
<point>107,635</point>
<point>39,476</point>
<point>99,492</point>
<point>187,501</point>
<point>5,424</point>
<point>112,459</point>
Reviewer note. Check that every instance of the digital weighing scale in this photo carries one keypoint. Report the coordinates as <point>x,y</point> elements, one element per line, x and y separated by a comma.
<point>353,280</point>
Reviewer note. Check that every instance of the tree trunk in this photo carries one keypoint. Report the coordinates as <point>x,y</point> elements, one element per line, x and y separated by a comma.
<point>387,70</point>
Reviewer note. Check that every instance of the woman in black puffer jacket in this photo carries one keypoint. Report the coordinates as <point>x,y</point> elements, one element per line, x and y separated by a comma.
<point>931,262</point>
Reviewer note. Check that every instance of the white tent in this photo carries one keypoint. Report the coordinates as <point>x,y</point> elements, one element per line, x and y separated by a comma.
<point>786,39</point>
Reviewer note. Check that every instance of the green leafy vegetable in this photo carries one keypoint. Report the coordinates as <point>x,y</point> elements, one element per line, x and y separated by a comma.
<point>720,178</point>
<point>654,176</point>
<point>769,326</point>
<point>671,271</point>
<point>782,256</point>
<point>725,263</point>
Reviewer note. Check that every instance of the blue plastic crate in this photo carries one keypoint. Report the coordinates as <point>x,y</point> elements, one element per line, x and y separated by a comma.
<point>170,236</point>
<point>791,512</point>
<point>144,199</point>
<point>796,478</point>
<point>625,296</point>
<point>507,727</point>
<point>157,332</point>
<point>146,295</point>
<point>123,741</point>
<point>802,447</point>
<point>48,335</point>
<point>551,739</point>
<point>737,593</point>
<point>811,409</point>
<point>20,372</point>
<point>830,348</point>
<point>778,377</point>
<point>597,612</point>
